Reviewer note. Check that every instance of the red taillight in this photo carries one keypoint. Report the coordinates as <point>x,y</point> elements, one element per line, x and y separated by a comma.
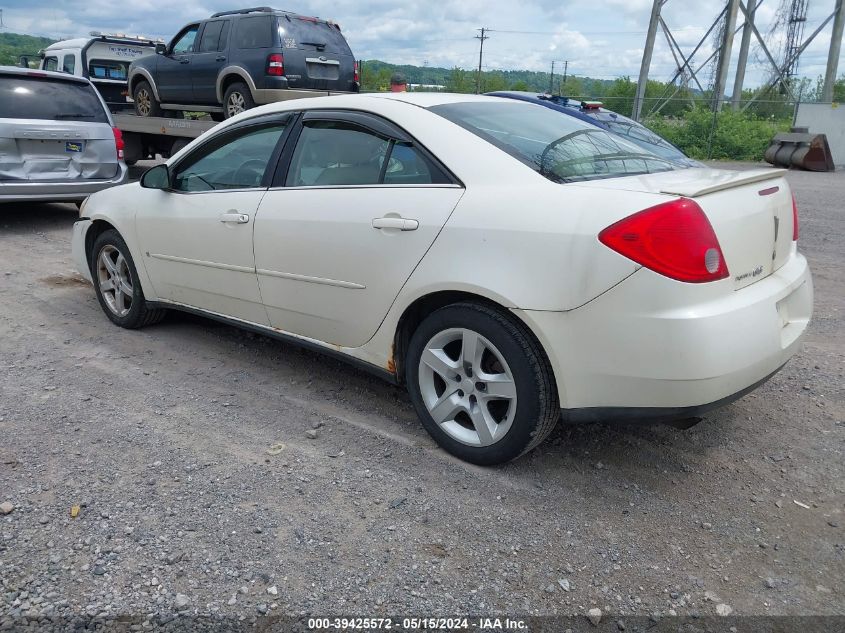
<point>355,76</point>
<point>674,239</point>
<point>119,144</point>
<point>276,64</point>
<point>794,219</point>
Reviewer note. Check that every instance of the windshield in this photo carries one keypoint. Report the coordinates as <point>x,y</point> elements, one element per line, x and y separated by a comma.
<point>23,97</point>
<point>561,148</point>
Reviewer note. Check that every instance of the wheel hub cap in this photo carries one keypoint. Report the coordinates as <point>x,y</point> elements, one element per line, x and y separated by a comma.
<point>467,387</point>
<point>115,280</point>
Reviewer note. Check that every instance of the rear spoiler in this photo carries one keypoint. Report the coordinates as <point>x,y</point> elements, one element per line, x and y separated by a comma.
<point>728,180</point>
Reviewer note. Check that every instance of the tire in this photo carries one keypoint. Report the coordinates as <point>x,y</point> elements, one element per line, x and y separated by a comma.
<point>134,314</point>
<point>145,101</point>
<point>472,422</point>
<point>237,99</point>
<point>217,116</point>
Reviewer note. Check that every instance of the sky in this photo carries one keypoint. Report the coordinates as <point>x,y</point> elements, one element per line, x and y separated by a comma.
<point>599,38</point>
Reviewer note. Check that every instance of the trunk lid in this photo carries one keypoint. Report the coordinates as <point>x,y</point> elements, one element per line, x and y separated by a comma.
<point>750,211</point>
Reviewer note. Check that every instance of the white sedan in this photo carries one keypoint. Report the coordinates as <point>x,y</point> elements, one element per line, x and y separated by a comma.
<point>509,265</point>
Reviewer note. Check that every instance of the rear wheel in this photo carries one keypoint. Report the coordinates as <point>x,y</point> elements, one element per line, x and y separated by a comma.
<point>145,101</point>
<point>480,384</point>
<point>116,283</point>
<point>237,99</point>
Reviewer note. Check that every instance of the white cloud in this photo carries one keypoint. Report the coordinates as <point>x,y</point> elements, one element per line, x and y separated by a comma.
<point>600,38</point>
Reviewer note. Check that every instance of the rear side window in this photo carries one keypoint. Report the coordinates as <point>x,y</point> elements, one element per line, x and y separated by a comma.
<point>254,32</point>
<point>211,36</point>
<point>337,153</point>
<point>37,98</point>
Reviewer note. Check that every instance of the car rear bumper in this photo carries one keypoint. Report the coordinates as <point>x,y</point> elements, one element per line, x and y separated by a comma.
<point>59,191</point>
<point>271,95</point>
<point>652,344</point>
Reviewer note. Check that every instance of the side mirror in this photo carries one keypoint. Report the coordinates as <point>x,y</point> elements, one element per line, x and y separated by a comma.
<point>157,177</point>
<point>161,49</point>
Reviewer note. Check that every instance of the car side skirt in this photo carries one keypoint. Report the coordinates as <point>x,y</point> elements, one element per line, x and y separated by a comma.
<point>308,344</point>
<point>653,414</point>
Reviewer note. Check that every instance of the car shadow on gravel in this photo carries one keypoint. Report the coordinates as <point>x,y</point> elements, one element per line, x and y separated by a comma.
<point>34,217</point>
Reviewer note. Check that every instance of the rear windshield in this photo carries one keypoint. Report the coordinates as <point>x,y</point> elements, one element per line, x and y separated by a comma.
<point>557,146</point>
<point>108,69</point>
<point>311,34</point>
<point>55,100</point>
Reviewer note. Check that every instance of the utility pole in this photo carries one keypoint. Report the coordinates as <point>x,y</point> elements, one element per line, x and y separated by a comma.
<point>646,63</point>
<point>725,55</point>
<point>481,39</point>
<point>833,53</point>
<point>747,30</point>
<point>552,78</point>
<point>565,68</point>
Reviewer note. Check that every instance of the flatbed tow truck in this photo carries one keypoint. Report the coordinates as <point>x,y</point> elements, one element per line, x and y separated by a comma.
<point>146,137</point>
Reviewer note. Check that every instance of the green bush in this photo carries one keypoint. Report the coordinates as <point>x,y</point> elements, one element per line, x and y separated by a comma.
<point>737,135</point>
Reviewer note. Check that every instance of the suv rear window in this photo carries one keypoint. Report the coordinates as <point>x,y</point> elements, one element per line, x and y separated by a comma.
<point>557,146</point>
<point>255,32</point>
<point>308,34</point>
<point>23,97</point>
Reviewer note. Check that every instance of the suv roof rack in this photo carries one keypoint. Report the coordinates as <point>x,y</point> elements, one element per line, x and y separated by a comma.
<point>250,10</point>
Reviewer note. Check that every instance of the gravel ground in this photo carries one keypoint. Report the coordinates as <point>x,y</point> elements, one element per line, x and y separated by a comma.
<point>191,468</point>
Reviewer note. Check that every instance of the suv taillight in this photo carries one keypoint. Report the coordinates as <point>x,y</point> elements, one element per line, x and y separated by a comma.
<point>276,64</point>
<point>119,144</point>
<point>674,239</point>
<point>794,219</point>
<point>355,76</point>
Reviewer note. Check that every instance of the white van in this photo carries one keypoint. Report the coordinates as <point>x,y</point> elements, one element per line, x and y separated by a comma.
<point>104,59</point>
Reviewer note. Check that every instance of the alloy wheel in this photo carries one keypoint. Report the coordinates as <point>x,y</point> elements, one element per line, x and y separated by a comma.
<point>236,104</point>
<point>143,99</point>
<point>115,280</point>
<point>467,387</point>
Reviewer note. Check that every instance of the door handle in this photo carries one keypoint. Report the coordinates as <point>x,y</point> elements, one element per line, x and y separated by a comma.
<point>234,217</point>
<point>221,58</point>
<point>184,60</point>
<point>395,223</point>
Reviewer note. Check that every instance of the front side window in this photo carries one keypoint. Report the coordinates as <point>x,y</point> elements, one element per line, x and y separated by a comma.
<point>236,161</point>
<point>185,43</point>
<point>69,64</point>
<point>557,146</point>
<point>338,153</point>
<point>255,32</point>
<point>51,63</point>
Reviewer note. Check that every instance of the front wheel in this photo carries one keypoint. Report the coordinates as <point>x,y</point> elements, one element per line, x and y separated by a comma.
<point>116,283</point>
<point>480,384</point>
<point>145,101</point>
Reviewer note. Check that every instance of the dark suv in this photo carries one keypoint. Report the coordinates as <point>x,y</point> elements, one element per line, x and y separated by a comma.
<point>238,59</point>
